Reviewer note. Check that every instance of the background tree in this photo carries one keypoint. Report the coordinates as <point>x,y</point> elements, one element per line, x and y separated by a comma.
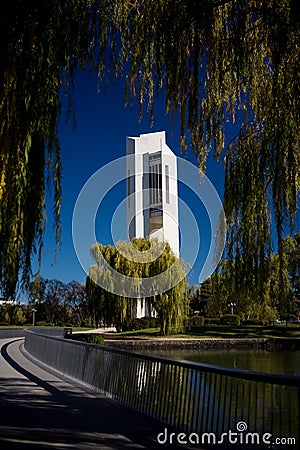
<point>292,251</point>
<point>52,310</point>
<point>58,303</point>
<point>76,303</point>
<point>13,314</point>
<point>284,295</point>
<point>280,298</point>
<point>197,302</point>
<point>216,60</point>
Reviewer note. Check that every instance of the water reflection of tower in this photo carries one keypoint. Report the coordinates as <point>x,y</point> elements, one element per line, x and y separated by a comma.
<point>152,193</point>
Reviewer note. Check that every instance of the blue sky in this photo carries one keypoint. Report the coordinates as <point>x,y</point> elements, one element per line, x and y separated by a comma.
<point>99,138</point>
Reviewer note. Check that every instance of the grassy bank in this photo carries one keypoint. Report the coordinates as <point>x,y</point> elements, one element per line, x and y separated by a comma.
<point>204,332</point>
<point>221,332</point>
<point>36,327</point>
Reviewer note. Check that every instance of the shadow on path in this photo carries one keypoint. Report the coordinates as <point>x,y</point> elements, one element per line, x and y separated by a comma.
<point>41,411</point>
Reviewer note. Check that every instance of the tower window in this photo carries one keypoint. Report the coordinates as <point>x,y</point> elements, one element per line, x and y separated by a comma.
<point>128,188</point>
<point>156,219</point>
<point>167,184</point>
<point>155,179</point>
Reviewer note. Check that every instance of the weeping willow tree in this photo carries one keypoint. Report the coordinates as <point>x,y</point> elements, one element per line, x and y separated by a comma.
<point>107,294</point>
<point>217,61</point>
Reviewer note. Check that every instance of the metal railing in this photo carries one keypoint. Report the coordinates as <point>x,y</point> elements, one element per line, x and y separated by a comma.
<point>6,333</point>
<point>191,397</point>
<point>14,332</point>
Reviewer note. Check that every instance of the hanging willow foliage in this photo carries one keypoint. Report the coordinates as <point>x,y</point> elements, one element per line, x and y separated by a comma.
<point>42,45</point>
<point>216,59</point>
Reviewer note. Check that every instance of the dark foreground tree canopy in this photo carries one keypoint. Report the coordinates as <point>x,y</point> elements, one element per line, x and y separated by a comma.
<point>216,61</point>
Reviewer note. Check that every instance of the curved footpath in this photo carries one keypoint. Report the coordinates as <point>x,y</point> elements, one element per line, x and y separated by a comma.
<point>40,410</point>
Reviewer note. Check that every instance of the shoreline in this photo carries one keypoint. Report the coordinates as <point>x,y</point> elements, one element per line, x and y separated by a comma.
<point>270,344</point>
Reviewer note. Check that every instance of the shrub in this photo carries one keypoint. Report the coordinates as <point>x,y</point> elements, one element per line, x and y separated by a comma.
<point>252,322</point>
<point>230,319</point>
<point>197,321</point>
<point>95,339</point>
<point>140,324</point>
<point>91,338</point>
<point>130,325</point>
<point>191,323</point>
<point>212,321</point>
<point>41,323</point>
<point>153,322</point>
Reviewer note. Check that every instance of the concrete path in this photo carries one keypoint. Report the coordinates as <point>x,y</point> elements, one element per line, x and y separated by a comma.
<point>39,410</point>
<point>97,331</point>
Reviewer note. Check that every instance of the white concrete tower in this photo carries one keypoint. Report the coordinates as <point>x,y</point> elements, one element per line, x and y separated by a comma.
<point>152,194</point>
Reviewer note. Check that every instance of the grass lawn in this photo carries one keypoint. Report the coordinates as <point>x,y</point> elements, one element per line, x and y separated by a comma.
<point>208,331</point>
<point>223,331</point>
<point>74,328</point>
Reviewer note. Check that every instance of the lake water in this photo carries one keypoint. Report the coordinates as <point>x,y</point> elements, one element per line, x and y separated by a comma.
<point>283,362</point>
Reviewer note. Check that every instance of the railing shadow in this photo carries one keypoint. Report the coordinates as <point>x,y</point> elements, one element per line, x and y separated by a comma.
<point>42,414</point>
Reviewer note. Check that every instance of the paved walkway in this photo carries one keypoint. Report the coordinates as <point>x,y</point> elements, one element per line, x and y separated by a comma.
<point>39,410</point>
<point>97,330</point>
